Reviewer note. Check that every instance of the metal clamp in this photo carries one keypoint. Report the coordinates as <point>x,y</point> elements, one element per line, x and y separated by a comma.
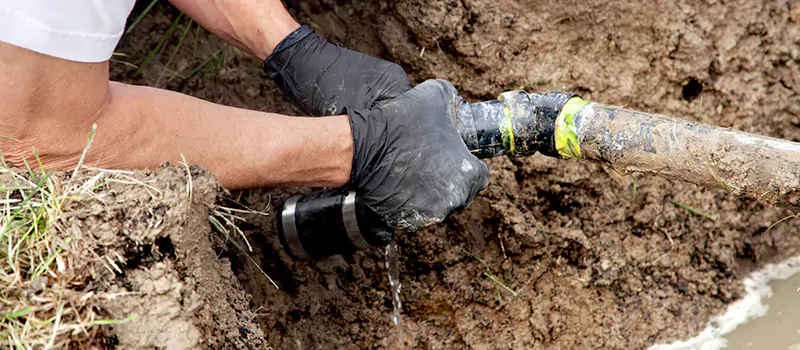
<point>290,229</point>
<point>351,222</point>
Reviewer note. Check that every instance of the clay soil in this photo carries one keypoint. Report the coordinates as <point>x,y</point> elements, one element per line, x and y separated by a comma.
<point>595,259</point>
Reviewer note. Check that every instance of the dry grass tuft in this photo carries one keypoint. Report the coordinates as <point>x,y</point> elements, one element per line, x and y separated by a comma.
<point>45,301</point>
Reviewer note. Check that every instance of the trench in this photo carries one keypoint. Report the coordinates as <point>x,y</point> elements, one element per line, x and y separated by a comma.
<point>595,259</point>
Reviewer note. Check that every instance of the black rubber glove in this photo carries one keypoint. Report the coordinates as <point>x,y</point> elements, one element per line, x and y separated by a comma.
<point>323,78</point>
<point>410,165</point>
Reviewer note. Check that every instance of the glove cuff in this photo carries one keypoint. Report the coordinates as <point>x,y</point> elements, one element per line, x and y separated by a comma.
<point>353,117</point>
<point>369,131</point>
<point>290,40</point>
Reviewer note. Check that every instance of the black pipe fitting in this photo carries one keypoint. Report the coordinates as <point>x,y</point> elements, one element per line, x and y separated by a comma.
<point>329,222</point>
<point>518,124</point>
<point>539,133</point>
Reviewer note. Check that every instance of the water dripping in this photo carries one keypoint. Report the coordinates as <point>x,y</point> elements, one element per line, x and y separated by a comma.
<point>393,267</point>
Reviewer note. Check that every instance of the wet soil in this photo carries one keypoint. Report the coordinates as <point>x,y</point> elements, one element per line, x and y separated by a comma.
<point>595,259</point>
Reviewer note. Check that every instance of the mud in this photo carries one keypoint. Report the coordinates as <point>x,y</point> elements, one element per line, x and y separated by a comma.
<point>596,259</point>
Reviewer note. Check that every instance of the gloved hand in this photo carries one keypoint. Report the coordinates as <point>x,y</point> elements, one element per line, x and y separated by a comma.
<point>323,78</point>
<point>410,165</point>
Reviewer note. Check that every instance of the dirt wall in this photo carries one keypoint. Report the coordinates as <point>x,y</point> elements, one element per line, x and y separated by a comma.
<point>151,263</point>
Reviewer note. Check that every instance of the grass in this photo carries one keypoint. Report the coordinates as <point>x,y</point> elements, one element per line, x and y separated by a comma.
<point>793,216</point>
<point>166,73</point>
<point>153,52</point>
<point>700,106</point>
<point>540,81</point>
<point>189,183</point>
<point>124,63</point>
<point>174,52</point>
<point>44,303</point>
<point>41,302</point>
<point>141,16</point>
<point>214,57</point>
<point>499,283</point>
<point>693,210</point>
<point>224,221</point>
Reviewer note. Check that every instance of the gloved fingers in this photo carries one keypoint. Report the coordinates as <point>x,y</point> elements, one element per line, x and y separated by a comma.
<point>323,78</point>
<point>412,165</point>
<point>394,81</point>
<point>478,179</point>
<point>442,87</point>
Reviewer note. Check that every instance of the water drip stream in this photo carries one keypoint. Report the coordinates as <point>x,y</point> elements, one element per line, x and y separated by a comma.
<point>393,267</point>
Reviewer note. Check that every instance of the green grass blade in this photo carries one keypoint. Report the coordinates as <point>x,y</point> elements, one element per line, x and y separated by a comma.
<point>539,81</point>
<point>488,273</point>
<point>27,199</point>
<point>693,210</point>
<point>141,16</point>
<point>497,281</point>
<point>174,52</point>
<point>83,154</point>
<point>127,64</point>
<point>203,64</point>
<point>43,267</point>
<point>18,313</point>
<point>113,322</point>
<point>161,42</point>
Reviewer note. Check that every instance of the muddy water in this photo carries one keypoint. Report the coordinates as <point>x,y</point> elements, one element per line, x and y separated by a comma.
<point>767,317</point>
<point>779,328</point>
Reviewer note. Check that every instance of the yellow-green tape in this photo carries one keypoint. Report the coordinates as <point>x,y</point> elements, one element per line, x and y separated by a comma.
<point>567,143</point>
<point>507,131</point>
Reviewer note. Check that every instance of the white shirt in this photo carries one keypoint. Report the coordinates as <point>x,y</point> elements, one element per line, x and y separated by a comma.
<point>75,30</point>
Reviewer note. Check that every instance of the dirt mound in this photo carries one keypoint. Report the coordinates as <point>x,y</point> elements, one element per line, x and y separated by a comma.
<point>554,254</point>
<point>172,280</point>
<point>143,244</point>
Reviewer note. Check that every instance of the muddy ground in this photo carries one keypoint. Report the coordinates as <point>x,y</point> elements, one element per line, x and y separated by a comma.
<point>596,260</point>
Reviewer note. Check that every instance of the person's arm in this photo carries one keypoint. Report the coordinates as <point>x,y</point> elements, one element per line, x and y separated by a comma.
<point>49,105</point>
<point>243,148</point>
<point>142,127</point>
<point>255,26</point>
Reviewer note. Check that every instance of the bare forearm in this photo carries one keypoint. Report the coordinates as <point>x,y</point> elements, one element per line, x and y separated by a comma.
<point>256,26</point>
<point>49,105</point>
<point>142,127</point>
